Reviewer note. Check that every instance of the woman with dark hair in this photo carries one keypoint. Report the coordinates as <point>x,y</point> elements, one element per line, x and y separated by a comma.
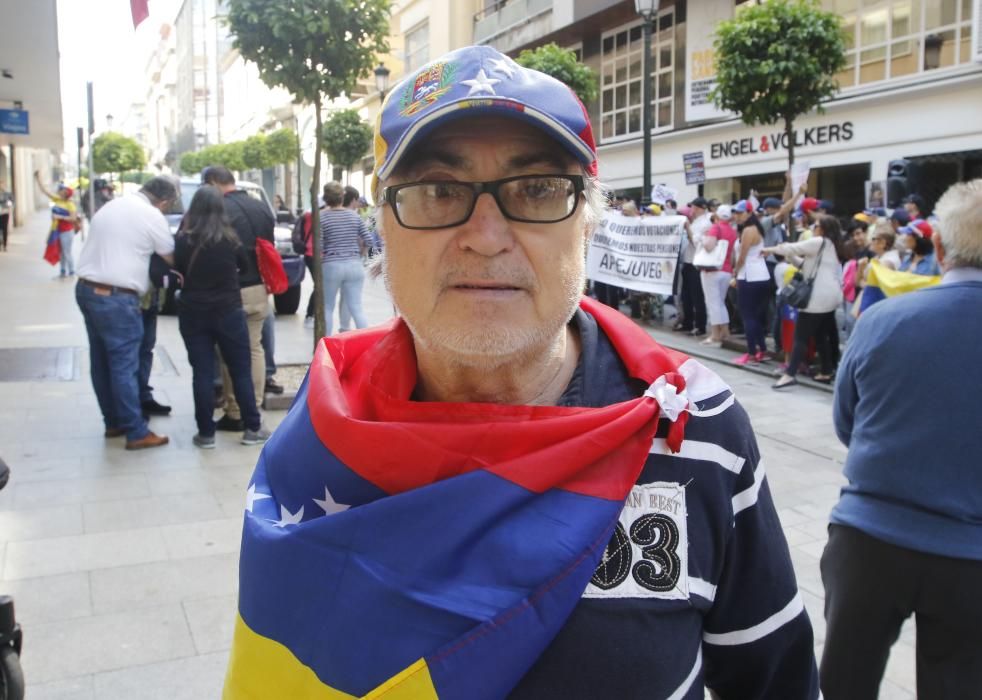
<point>344,235</point>
<point>753,284</point>
<point>920,258</point>
<point>209,256</point>
<point>820,258</point>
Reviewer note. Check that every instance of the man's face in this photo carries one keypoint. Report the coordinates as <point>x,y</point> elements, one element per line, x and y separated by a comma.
<point>697,211</point>
<point>489,290</point>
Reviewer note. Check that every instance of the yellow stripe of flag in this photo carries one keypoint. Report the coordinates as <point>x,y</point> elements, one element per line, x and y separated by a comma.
<point>261,669</point>
<point>892,282</point>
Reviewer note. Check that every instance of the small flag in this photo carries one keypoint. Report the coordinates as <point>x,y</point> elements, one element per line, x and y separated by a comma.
<point>882,283</point>
<point>140,11</point>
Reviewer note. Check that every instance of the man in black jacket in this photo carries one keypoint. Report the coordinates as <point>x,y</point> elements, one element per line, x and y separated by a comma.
<point>251,219</point>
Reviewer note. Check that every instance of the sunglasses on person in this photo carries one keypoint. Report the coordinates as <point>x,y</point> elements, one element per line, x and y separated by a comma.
<point>533,199</point>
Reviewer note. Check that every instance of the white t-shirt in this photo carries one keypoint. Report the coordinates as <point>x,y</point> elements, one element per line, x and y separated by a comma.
<point>123,235</point>
<point>699,226</point>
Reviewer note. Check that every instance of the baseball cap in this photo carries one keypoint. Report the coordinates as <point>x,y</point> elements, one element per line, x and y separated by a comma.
<point>827,205</point>
<point>919,228</point>
<point>479,81</point>
<point>654,209</point>
<point>701,202</point>
<point>743,206</point>
<point>900,216</point>
<point>864,217</point>
<point>66,190</point>
<point>771,203</point>
<point>724,212</point>
<point>809,204</point>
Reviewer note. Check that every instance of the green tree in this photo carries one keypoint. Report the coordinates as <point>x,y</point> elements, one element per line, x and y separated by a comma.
<point>318,50</point>
<point>777,61</point>
<point>115,153</point>
<point>562,65</point>
<point>255,152</point>
<point>190,162</point>
<point>282,146</point>
<point>346,137</point>
<point>231,155</point>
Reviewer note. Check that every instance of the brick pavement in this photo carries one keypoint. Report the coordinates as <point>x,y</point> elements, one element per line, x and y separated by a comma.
<point>123,565</point>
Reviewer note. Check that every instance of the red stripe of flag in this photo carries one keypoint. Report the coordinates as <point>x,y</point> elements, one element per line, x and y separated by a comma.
<point>140,11</point>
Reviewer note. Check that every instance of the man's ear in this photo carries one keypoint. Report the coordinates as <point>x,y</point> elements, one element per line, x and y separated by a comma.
<point>939,251</point>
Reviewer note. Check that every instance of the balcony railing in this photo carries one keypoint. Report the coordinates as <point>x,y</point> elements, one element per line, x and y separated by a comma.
<point>499,18</point>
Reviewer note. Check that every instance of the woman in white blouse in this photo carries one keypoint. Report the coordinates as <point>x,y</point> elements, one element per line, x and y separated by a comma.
<point>818,257</point>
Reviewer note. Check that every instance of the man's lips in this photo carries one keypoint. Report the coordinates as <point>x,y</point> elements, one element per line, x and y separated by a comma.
<point>486,286</point>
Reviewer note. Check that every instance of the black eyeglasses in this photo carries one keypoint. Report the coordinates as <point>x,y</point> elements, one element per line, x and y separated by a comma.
<point>533,199</point>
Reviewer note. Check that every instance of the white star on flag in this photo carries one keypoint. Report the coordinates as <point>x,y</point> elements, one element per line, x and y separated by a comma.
<point>288,518</point>
<point>481,83</point>
<point>329,505</point>
<point>502,66</point>
<point>252,497</point>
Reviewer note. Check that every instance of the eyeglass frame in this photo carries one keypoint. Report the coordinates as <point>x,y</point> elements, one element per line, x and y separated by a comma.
<point>490,187</point>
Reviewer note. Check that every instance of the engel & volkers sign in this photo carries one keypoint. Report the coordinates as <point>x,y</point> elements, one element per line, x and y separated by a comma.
<point>778,141</point>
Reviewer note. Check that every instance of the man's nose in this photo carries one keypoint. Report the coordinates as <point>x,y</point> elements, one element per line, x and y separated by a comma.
<point>487,232</point>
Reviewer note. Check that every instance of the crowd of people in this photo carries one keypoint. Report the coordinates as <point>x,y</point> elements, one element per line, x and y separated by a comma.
<point>766,243</point>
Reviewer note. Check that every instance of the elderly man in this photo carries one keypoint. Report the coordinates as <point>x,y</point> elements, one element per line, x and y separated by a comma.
<point>509,491</point>
<point>113,272</point>
<point>906,535</point>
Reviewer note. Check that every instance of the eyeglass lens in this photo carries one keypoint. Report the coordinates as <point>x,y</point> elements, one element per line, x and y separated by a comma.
<point>541,199</point>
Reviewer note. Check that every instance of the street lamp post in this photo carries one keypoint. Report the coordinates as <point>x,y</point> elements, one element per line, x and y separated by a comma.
<point>381,80</point>
<point>648,9</point>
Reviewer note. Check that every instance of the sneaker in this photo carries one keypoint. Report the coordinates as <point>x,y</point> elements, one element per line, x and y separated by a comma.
<point>205,442</point>
<point>698,332</point>
<point>273,387</point>
<point>742,360</point>
<point>228,424</point>
<point>255,437</point>
<point>152,408</point>
<point>761,356</point>
<point>308,322</point>
<point>147,441</point>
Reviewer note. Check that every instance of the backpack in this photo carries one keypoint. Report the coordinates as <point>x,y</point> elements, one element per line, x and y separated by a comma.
<point>271,267</point>
<point>301,231</point>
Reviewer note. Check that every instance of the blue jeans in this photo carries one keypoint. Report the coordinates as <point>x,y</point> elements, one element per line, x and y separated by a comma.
<point>65,239</point>
<point>201,331</point>
<point>348,276</point>
<point>114,325</point>
<point>146,348</point>
<point>752,298</point>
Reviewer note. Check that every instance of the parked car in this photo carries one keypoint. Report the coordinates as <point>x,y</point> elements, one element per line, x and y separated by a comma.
<point>289,301</point>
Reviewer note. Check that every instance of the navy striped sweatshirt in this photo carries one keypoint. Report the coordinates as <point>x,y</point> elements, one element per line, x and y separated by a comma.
<point>696,588</point>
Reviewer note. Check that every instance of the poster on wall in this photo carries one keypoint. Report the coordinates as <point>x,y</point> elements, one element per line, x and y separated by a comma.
<point>633,252</point>
<point>876,194</point>
<point>695,168</point>
<point>700,64</point>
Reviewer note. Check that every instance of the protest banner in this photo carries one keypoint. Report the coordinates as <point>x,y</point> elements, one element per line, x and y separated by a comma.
<point>638,253</point>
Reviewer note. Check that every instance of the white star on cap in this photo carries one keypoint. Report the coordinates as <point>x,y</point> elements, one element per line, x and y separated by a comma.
<point>502,66</point>
<point>481,83</point>
<point>288,518</point>
<point>252,497</point>
<point>329,505</point>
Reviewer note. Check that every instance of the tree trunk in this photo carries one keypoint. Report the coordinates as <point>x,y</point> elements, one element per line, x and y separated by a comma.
<point>789,131</point>
<point>320,324</point>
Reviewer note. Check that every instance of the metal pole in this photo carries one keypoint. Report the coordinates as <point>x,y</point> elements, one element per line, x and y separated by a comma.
<point>296,121</point>
<point>646,114</point>
<point>80,142</point>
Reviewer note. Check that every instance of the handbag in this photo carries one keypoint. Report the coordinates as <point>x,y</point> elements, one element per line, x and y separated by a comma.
<point>798,291</point>
<point>712,259</point>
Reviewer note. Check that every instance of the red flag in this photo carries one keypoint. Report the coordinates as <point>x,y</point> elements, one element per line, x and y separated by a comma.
<point>139,10</point>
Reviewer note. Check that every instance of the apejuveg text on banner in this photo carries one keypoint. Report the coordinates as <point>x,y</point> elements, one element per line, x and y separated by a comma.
<point>636,253</point>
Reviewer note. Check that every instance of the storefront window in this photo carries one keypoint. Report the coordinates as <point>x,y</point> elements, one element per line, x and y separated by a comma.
<point>886,40</point>
<point>621,76</point>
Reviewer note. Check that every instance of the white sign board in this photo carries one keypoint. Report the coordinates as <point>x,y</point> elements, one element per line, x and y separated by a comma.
<point>638,253</point>
<point>661,193</point>
<point>700,65</point>
<point>799,175</point>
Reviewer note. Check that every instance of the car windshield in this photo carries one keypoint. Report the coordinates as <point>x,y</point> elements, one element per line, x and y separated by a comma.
<point>189,188</point>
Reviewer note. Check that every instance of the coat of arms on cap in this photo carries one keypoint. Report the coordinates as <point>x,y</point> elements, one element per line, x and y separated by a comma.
<point>427,88</point>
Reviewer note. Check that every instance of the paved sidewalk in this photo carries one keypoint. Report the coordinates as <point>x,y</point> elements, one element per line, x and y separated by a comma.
<point>123,565</point>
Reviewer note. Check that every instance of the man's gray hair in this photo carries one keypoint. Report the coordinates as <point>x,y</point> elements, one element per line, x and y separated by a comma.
<point>160,188</point>
<point>960,212</point>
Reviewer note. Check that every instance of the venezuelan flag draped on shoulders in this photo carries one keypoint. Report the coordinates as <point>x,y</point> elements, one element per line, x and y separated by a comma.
<point>401,549</point>
<point>883,283</point>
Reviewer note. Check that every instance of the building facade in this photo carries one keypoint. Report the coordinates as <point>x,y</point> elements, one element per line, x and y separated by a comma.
<point>910,96</point>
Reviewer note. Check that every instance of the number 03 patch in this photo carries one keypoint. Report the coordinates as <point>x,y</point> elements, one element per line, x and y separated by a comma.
<point>647,556</point>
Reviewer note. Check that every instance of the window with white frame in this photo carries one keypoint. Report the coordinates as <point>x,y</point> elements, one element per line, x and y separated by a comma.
<point>887,39</point>
<point>417,46</point>
<point>622,51</point>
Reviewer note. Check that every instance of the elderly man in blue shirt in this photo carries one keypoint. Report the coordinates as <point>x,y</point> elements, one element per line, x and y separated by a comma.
<point>906,535</point>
